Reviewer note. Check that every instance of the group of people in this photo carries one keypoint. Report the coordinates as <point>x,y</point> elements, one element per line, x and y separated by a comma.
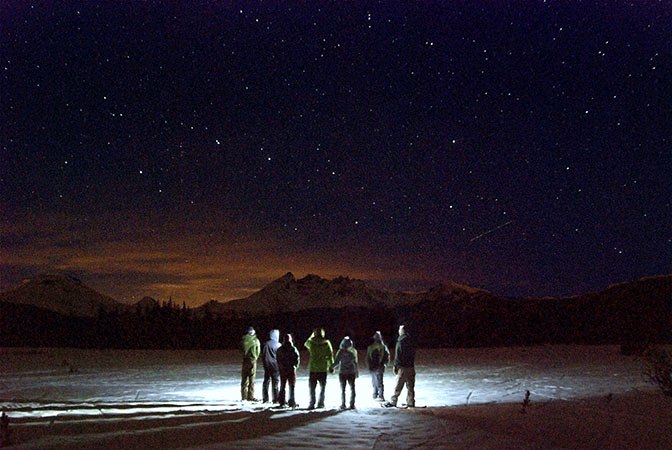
<point>281,360</point>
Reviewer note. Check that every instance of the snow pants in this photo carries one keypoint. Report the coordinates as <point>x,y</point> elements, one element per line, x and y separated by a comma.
<point>313,379</point>
<point>377,383</point>
<point>347,379</point>
<point>405,376</point>
<point>248,373</point>
<point>272,377</point>
<point>287,380</point>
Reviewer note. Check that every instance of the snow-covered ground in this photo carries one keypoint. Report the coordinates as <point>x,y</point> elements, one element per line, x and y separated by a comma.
<point>580,397</point>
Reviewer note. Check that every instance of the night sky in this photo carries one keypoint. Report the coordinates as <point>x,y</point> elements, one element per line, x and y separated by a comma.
<point>200,150</point>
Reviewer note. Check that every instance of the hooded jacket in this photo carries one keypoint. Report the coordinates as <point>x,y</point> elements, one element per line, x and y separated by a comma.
<point>270,351</point>
<point>321,354</point>
<point>346,358</point>
<point>288,358</point>
<point>377,355</point>
<point>250,347</point>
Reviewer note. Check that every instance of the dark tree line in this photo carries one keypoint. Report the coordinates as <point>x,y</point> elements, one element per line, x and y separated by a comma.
<point>633,319</point>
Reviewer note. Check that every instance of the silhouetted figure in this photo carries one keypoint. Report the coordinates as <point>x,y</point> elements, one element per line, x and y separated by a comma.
<point>377,357</point>
<point>271,370</point>
<point>321,359</point>
<point>250,348</point>
<point>288,361</point>
<point>348,368</point>
<point>5,432</point>
<point>404,368</point>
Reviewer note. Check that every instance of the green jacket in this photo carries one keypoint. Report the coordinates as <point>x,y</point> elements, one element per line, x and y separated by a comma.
<point>250,347</point>
<point>321,354</point>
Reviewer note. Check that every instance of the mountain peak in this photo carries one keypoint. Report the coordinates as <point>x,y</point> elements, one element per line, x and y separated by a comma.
<point>289,276</point>
<point>147,302</point>
<point>280,283</point>
<point>312,278</point>
<point>452,288</point>
<point>312,291</point>
<point>62,293</point>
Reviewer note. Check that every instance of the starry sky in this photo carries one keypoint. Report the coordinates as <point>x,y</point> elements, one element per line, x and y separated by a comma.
<point>198,150</point>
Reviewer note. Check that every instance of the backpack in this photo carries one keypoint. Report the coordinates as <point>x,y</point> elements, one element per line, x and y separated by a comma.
<point>374,360</point>
<point>348,363</point>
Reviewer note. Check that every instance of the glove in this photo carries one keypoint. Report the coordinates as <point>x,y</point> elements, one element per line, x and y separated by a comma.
<point>395,370</point>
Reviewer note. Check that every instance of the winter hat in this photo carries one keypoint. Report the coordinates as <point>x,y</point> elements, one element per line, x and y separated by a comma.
<point>250,330</point>
<point>346,342</point>
<point>377,336</point>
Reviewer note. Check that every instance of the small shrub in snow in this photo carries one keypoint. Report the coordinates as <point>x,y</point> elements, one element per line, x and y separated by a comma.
<point>5,432</point>
<point>658,368</point>
<point>526,402</point>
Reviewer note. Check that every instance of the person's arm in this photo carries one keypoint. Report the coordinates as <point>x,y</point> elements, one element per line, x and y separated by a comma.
<point>335,361</point>
<point>297,358</point>
<point>331,352</point>
<point>397,351</point>
<point>356,363</point>
<point>256,349</point>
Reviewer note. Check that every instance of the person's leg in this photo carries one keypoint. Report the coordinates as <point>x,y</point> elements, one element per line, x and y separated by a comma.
<point>410,386</point>
<point>351,380</point>
<point>399,386</point>
<point>253,375</point>
<point>323,384</point>
<point>374,383</point>
<point>312,384</point>
<point>380,375</point>
<point>243,386</point>
<point>275,381</point>
<point>342,380</point>
<point>291,380</point>
<point>264,386</point>
<point>281,391</point>
<point>245,379</point>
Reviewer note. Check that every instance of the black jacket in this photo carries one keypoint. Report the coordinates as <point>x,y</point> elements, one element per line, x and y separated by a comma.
<point>404,353</point>
<point>288,358</point>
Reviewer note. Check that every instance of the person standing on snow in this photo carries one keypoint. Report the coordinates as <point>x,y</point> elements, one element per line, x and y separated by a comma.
<point>288,361</point>
<point>377,357</point>
<point>348,369</point>
<point>271,370</point>
<point>250,347</point>
<point>321,358</point>
<point>404,368</point>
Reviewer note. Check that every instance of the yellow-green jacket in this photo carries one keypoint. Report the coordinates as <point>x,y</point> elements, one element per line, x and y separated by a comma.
<point>250,347</point>
<point>321,354</point>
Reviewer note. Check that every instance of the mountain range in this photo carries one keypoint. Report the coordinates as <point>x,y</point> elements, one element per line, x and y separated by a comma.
<point>64,294</point>
<point>449,314</point>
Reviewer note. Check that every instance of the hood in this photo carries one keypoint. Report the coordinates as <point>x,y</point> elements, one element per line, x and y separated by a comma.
<point>346,342</point>
<point>377,336</point>
<point>274,335</point>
